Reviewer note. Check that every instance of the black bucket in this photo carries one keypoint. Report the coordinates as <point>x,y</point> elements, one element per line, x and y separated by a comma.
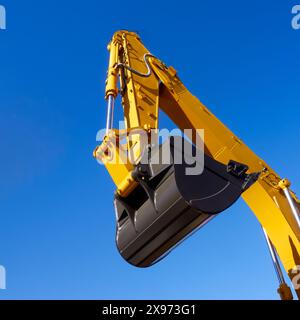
<point>169,204</point>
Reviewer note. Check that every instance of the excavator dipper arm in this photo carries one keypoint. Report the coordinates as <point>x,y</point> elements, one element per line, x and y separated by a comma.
<point>156,205</point>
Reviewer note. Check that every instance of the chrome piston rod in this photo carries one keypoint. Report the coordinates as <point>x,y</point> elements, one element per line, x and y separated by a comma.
<point>110,113</point>
<point>292,205</point>
<point>274,258</point>
<point>284,290</point>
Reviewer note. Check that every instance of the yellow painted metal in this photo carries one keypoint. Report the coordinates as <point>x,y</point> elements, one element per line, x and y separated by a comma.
<point>114,156</point>
<point>141,98</point>
<point>112,73</point>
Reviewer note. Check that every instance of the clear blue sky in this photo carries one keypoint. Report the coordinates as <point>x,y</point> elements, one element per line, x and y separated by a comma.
<point>57,228</point>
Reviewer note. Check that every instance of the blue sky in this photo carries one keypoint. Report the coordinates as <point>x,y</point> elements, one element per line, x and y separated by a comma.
<point>57,228</point>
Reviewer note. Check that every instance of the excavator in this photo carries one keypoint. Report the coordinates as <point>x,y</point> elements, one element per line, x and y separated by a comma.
<point>160,203</point>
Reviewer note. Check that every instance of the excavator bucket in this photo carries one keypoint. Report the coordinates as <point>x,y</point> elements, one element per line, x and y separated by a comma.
<point>168,204</point>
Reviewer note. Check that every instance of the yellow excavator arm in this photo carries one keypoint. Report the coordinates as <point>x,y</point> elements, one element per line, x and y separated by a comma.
<point>146,84</point>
